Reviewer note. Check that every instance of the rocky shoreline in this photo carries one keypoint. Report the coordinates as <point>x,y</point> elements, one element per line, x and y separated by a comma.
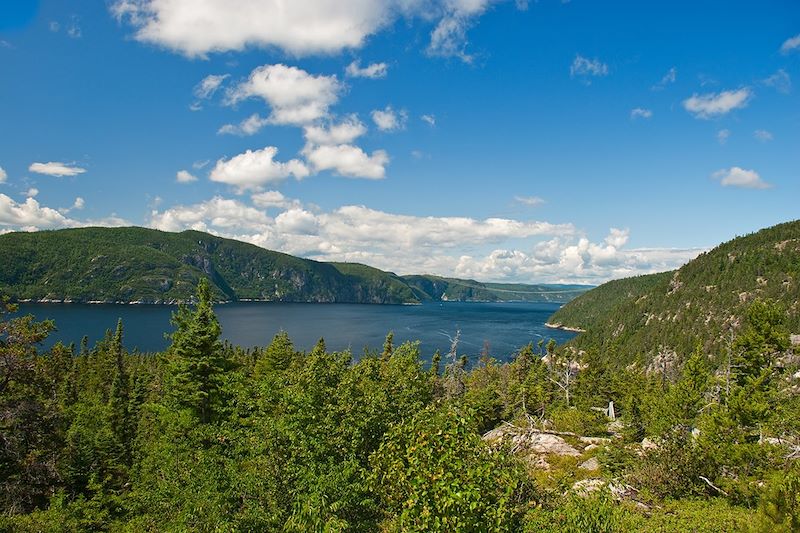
<point>558,325</point>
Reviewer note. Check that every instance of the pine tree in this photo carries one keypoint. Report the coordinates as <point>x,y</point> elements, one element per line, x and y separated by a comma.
<point>436,363</point>
<point>196,358</point>
<point>277,356</point>
<point>388,346</point>
<point>119,397</point>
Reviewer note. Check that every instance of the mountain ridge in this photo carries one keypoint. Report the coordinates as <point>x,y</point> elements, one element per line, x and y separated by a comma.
<point>704,301</point>
<point>147,266</point>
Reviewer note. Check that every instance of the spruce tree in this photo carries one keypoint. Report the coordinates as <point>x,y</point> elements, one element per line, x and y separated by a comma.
<point>388,346</point>
<point>196,357</point>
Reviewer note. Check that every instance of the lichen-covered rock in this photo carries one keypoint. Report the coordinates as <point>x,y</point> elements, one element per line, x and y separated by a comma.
<point>530,440</point>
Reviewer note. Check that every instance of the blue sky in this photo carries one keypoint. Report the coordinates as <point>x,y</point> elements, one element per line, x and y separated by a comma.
<point>524,141</point>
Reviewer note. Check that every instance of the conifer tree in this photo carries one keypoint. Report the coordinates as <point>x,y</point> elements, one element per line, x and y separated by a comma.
<point>119,397</point>
<point>196,358</point>
<point>388,346</point>
<point>277,356</point>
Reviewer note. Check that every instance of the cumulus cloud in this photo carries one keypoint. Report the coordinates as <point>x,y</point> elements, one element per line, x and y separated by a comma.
<point>584,67</point>
<point>739,177</point>
<point>32,192</point>
<point>762,135</point>
<point>372,71</point>
<point>791,44</point>
<point>347,160</point>
<point>184,176</point>
<point>30,215</point>
<point>344,132</point>
<point>455,246</point>
<point>780,81</point>
<point>212,215</point>
<point>255,168</point>
<point>269,199</point>
<point>716,104</point>
<point>209,85</point>
<point>531,201</point>
<point>299,27</point>
<point>249,126</point>
<point>56,169</point>
<point>668,79</point>
<point>723,135</point>
<point>295,96</point>
<point>329,147</point>
<point>388,119</point>
<point>640,112</point>
<point>3,175</point>
<point>79,203</point>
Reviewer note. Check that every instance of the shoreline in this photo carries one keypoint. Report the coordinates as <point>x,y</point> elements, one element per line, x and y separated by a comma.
<point>562,327</point>
<point>254,300</point>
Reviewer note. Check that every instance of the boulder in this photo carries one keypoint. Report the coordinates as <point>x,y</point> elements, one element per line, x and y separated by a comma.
<point>530,440</point>
<point>590,464</point>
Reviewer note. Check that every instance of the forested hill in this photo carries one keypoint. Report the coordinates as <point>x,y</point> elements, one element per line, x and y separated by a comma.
<point>149,266</point>
<point>704,301</point>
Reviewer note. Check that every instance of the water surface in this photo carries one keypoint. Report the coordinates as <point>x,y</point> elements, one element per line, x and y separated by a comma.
<point>505,326</point>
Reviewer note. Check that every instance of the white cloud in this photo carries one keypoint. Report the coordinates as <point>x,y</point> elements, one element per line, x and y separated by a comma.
<point>197,165</point>
<point>344,132</point>
<point>762,135</point>
<point>74,30</point>
<point>212,215</point>
<point>256,168</point>
<point>30,215</point>
<point>791,44</point>
<point>429,119</point>
<point>715,104</point>
<point>77,205</point>
<point>668,79</point>
<point>32,192</point>
<point>449,37</point>
<point>531,201</point>
<point>454,246</point>
<point>299,27</point>
<point>329,147</point>
<point>295,96</point>
<point>209,85</point>
<point>249,126</point>
<point>739,177</point>
<point>184,176</point>
<point>56,169</point>
<point>268,199</point>
<point>347,160</point>
<point>723,135</point>
<point>640,112</point>
<point>388,119</point>
<point>372,71</point>
<point>780,81</point>
<point>584,67</point>
<point>3,175</point>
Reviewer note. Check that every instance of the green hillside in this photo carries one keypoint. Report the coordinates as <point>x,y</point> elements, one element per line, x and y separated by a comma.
<point>149,266</point>
<point>703,301</point>
<point>463,290</point>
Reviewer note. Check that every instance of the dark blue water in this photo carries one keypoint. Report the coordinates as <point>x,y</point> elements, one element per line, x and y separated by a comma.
<point>505,326</point>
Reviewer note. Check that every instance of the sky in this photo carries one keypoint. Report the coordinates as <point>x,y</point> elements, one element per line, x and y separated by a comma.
<point>552,141</point>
